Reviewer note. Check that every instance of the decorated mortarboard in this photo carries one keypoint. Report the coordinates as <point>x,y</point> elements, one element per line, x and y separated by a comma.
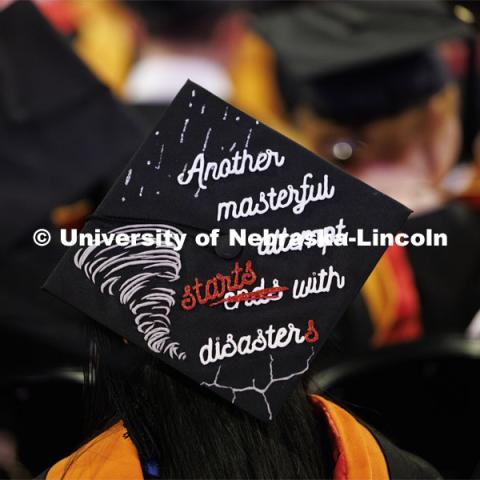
<point>244,319</point>
<point>355,62</point>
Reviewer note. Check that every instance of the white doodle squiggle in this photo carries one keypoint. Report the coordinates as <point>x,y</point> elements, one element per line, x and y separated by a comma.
<point>185,125</point>
<point>247,141</point>
<point>253,387</point>
<point>128,177</point>
<point>159,164</point>
<point>131,273</point>
<point>205,143</point>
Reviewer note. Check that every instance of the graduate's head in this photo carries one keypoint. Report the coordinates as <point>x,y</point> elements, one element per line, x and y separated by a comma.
<point>363,81</point>
<point>212,256</point>
<point>194,27</point>
<point>183,431</point>
<point>385,113</point>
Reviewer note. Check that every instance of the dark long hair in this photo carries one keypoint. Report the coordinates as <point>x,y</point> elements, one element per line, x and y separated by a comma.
<point>190,433</point>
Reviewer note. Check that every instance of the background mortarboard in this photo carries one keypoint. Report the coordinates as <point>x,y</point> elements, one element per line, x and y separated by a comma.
<point>356,62</point>
<point>139,291</point>
<point>322,38</point>
<point>66,134</point>
<point>64,137</point>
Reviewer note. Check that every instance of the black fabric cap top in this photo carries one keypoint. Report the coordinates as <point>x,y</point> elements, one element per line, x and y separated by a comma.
<point>382,89</point>
<point>322,38</point>
<point>39,72</point>
<point>64,137</point>
<point>246,322</point>
<point>356,62</point>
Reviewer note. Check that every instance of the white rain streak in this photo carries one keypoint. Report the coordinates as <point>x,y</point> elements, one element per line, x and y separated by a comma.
<point>130,273</point>
<point>159,164</point>
<point>234,144</point>
<point>205,143</point>
<point>128,177</point>
<point>237,119</point>
<point>193,93</point>
<point>253,387</point>
<point>184,129</point>
<point>202,111</point>
<point>140,193</point>
<point>190,105</point>
<point>248,138</point>
<point>225,114</point>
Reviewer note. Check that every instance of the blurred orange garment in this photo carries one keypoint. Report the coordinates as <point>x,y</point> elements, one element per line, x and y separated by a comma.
<point>103,35</point>
<point>392,299</point>
<point>471,194</point>
<point>72,215</point>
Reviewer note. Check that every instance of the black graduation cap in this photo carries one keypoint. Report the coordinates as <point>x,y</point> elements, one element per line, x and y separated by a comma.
<point>357,61</point>
<point>64,138</point>
<point>243,321</point>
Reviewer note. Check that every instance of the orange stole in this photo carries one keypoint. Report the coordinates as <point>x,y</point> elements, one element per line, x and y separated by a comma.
<point>357,453</point>
<point>112,455</point>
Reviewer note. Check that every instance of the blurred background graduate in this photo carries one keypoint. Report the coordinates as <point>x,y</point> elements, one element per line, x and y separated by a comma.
<point>388,91</point>
<point>64,138</point>
<point>367,85</point>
